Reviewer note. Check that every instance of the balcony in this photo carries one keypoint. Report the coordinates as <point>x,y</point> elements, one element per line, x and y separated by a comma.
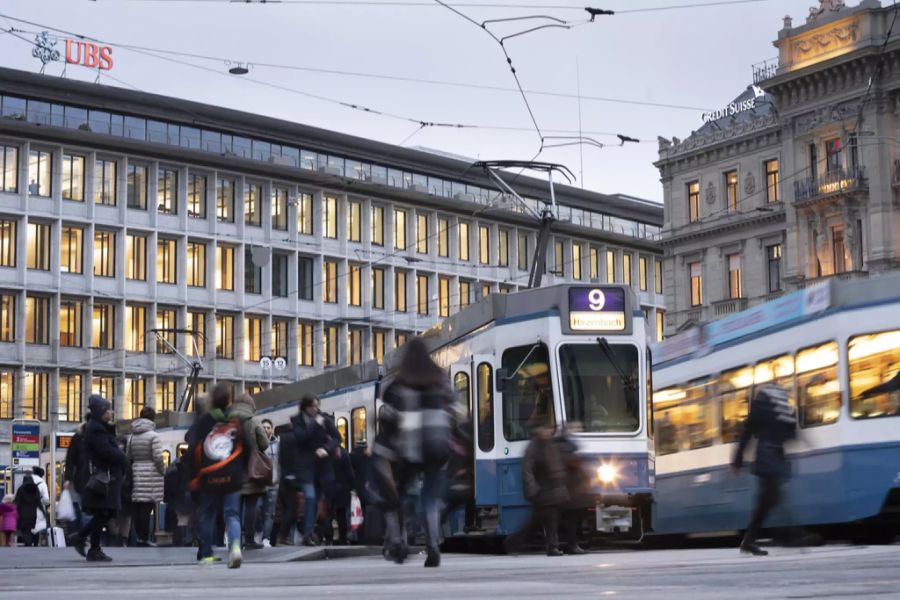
<point>726,307</point>
<point>840,181</point>
<point>766,69</point>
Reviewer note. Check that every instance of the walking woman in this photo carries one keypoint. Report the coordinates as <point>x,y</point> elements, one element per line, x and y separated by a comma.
<point>244,409</point>
<point>103,492</point>
<point>145,452</point>
<point>29,507</point>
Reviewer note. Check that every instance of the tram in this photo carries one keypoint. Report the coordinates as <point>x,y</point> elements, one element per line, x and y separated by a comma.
<point>586,347</point>
<point>826,345</point>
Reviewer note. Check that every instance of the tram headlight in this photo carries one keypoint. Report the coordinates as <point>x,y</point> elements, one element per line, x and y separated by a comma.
<point>607,473</point>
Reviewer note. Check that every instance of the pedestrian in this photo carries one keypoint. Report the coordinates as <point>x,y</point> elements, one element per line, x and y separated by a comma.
<point>179,507</point>
<point>145,452</point>
<point>102,497</point>
<point>338,497</point>
<point>120,525</point>
<point>269,501</point>
<point>578,488</point>
<point>9,515</point>
<point>772,421</point>
<point>290,486</point>
<point>420,394</point>
<point>255,438</point>
<point>316,438</point>
<point>76,474</point>
<point>43,515</point>
<point>217,447</point>
<point>28,507</point>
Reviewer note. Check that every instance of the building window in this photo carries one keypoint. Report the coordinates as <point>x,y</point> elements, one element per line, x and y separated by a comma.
<point>400,338</point>
<point>105,182</point>
<point>330,345</point>
<point>400,291</point>
<point>660,325</point>
<point>252,208</point>
<point>399,229</point>
<point>773,267</point>
<point>693,192</point>
<point>773,184</point>
<point>305,278</point>
<point>135,326</point>
<point>37,319</point>
<point>225,200</point>
<point>838,251</point>
<point>165,395</point>
<point>559,259</point>
<point>833,155</point>
<point>104,254</point>
<point>8,243</point>
<point>731,191</point>
<point>523,251</point>
<point>354,222</point>
<point>7,318</point>
<point>135,393</point>
<point>576,261</point>
<point>253,338</point>
<point>279,337</point>
<point>735,288</point>
<point>330,217</point>
<point>136,257</point>
<point>465,294</point>
<point>443,297</point>
<point>166,318</point>
<point>279,275</point>
<point>225,336</point>
<point>39,246</point>
<point>626,268</point>
<point>355,344</point>
<point>39,173</point>
<point>7,394</point>
<point>484,244</point>
<point>696,270</point>
<point>610,266</point>
<point>166,269</point>
<point>358,434</point>
<point>642,273</point>
<point>252,273</point>
<point>378,345</point>
<point>443,237</point>
<point>594,262</point>
<point>224,267</point>
<point>463,241</point>
<point>197,321</point>
<point>658,278</point>
<point>422,294</point>
<point>503,248</point>
<point>354,285</point>
<point>36,403</point>
<point>167,191</point>
<point>9,177</point>
<point>813,162</point>
<point>103,326</point>
<point>305,214</point>
<point>377,288</point>
<point>71,250</point>
<point>104,385</point>
<point>196,264</point>
<point>196,196</point>
<point>70,322</point>
<point>422,234</point>
<point>73,177</point>
<point>377,226</point>
<point>485,290</point>
<point>137,187</point>
<point>305,344</point>
<point>70,397</point>
<point>329,281</point>
<point>279,209</point>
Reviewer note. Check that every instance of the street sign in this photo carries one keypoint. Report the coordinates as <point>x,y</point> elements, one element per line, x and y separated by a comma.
<point>265,363</point>
<point>26,443</point>
<point>280,363</point>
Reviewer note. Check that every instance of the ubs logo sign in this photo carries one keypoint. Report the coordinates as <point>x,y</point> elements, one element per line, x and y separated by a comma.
<point>78,52</point>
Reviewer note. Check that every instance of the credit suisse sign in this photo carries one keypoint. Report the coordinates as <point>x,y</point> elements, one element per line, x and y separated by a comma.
<point>78,52</point>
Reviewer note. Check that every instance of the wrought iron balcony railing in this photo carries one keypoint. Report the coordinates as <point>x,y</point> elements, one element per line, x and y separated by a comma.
<point>826,184</point>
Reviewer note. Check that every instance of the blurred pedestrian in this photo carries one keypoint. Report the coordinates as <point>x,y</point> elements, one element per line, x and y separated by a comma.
<point>316,437</point>
<point>578,488</point>
<point>145,452</point>
<point>43,516</point>
<point>102,496</point>
<point>269,501</point>
<point>29,510</point>
<point>217,447</point>
<point>338,497</point>
<point>179,505</point>
<point>289,486</point>
<point>420,395</point>
<point>76,474</point>
<point>120,525</point>
<point>9,515</point>
<point>255,438</point>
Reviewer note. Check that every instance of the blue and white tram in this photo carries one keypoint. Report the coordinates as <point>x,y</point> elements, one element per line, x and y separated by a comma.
<point>585,347</point>
<point>826,345</point>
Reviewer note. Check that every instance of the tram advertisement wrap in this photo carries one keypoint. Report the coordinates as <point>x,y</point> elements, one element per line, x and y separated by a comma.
<point>597,309</point>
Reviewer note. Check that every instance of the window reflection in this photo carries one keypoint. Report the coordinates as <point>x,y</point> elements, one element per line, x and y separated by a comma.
<point>874,360</point>
<point>818,388</point>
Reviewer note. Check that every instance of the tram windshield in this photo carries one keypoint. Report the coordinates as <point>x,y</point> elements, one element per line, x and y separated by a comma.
<point>600,387</point>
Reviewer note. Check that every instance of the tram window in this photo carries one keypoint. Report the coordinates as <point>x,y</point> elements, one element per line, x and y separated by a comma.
<point>463,399</point>
<point>874,360</point>
<point>595,391</point>
<point>686,419</point>
<point>358,432</point>
<point>342,426</point>
<point>484,377</point>
<point>180,450</point>
<point>734,390</point>
<point>529,380</point>
<point>650,412</point>
<point>818,387</point>
<point>167,458</point>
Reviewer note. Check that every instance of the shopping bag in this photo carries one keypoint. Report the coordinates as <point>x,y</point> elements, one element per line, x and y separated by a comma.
<point>65,508</point>
<point>356,513</point>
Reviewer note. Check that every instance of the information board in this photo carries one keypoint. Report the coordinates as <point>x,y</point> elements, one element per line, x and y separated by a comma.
<point>26,444</point>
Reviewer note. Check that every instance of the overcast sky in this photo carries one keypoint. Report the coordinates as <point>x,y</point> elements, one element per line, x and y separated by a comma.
<point>699,58</point>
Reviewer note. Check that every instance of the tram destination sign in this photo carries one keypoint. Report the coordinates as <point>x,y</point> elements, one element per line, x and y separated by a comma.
<point>597,309</point>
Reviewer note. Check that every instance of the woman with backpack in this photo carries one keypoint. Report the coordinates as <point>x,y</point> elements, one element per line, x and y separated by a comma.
<point>255,438</point>
<point>29,510</point>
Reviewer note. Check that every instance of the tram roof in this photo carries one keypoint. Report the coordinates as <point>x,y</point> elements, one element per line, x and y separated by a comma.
<point>790,309</point>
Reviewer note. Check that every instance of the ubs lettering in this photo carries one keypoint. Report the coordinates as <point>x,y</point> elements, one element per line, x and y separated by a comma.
<point>89,55</point>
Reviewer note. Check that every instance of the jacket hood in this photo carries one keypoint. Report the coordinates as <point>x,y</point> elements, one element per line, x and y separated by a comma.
<point>142,426</point>
<point>242,410</point>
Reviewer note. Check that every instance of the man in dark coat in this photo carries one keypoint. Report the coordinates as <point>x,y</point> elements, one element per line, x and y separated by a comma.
<point>316,437</point>
<point>76,473</point>
<point>289,484</point>
<point>578,487</point>
<point>337,495</point>
<point>105,458</point>
<point>772,421</point>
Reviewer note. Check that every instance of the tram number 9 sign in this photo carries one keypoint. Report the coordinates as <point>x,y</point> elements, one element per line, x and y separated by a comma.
<point>596,309</point>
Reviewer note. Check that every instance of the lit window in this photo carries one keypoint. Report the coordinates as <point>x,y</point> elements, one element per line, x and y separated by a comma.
<point>610,266</point>
<point>659,276</point>
<point>137,187</point>
<point>422,234</point>
<point>484,244</point>
<point>39,246</point>
<point>696,274</point>
<point>197,322</point>
<point>166,318</point>
<point>104,385</point>
<point>874,360</point>
<point>330,217</point>
<point>225,200</point>
<point>7,394</point>
<point>330,344</point>
<point>443,237</point>
<point>377,226</point>
<point>252,208</point>
<point>103,326</point>
<point>400,291</point>
<point>503,248</point>
<point>773,181</point>
<point>354,285</point>
<point>354,221</point>
<point>463,241</point>
<point>279,209</point>
<point>576,261</point>
<point>279,337</point>
<point>224,267</point>
<point>70,397</point>
<point>196,264</point>
<point>378,345</point>
<point>400,338</point>
<point>37,319</point>
<point>9,176</point>
<point>399,229</point>
<point>377,288</point>
<point>626,268</point>
<point>329,283</point>
<point>39,172</point>
<point>7,318</point>
<point>818,386</point>
<point>422,294</point>
<point>559,259</point>
<point>735,288</point>
<point>305,344</point>
<point>693,192</point>
<point>594,260</point>
<point>305,214</point>
<point>833,151</point>
<point>36,403</point>
<point>660,327</point>
<point>355,345</point>
<point>523,251</point>
<point>443,297</point>
<point>358,432</point>
<point>135,393</point>
<point>72,177</point>
<point>71,245</point>
<point>196,196</point>
<point>642,273</point>
<point>465,294</point>
<point>166,271</point>
<point>136,257</point>
<point>773,267</point>
<point>253,338</point>
<point>70,322</point>
<point>104,254</point>
<point>8,229</point>
<point>225,336</point>
<point>165,394</point>
<point>731,191</point>
<point>167,191</point>
<point>485,290</point>
<point>135,326</point>
<point>105,182</point>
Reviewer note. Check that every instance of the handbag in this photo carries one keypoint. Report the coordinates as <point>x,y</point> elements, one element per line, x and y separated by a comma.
<point>259,469</point>
<point>99,481</point>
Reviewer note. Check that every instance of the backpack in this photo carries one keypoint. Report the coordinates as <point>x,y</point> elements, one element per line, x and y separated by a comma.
<point>218,458</point>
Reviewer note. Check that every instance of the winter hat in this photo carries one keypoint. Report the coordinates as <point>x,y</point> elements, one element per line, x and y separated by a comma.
<point>37,471</point>
<point>98,406</point>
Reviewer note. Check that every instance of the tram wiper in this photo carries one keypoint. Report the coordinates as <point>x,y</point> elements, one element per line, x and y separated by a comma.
<point>626,379</point>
